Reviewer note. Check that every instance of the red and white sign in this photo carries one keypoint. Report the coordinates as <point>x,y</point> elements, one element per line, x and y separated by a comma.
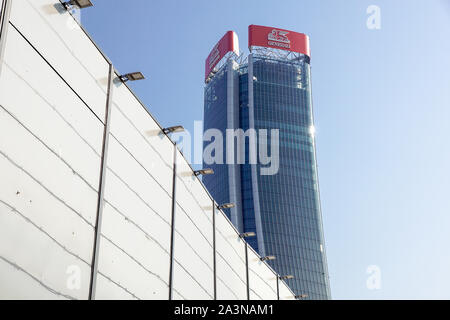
<point>278,38</point>
<point>228,43</point>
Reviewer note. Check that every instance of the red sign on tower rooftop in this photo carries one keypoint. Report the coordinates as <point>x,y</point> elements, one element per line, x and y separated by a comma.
<point>276,38</point>
<point>228,43</point>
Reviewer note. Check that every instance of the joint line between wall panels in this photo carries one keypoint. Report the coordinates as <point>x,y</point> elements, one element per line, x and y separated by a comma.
<point>172,224</point>
<point>4,22</point>
<point>101,188</point>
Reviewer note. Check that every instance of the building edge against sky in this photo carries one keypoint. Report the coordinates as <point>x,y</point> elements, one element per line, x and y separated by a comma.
<point>270,89</point>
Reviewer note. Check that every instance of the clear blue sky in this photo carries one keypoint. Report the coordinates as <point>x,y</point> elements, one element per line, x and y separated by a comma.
<point>382,110</point>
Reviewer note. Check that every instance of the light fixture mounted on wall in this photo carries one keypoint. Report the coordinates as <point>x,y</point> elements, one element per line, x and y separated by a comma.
<point>204,172</point>
<point>78,3</point>
<point>268,258</point>
<point>227,206</point>
<point>133,76</point>
<point>173,129</point>
<point>287,277</point>
<point>247,235</point>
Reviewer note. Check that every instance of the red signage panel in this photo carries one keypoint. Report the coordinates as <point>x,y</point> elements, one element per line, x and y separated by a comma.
<point>228,43</point>
<point>279,39</point>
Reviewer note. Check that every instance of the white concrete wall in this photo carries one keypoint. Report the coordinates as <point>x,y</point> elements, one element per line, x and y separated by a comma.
<point>230,255</point>
<point>53,97</point>
<point>138,201</point>
<point>285,292</point>
<point>50,144</point>
<point>193,249</point>
<point>263,282</point>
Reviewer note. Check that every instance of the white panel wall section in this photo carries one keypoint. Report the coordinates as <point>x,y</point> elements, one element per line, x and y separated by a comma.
<point>49,155</point>
<point>107,290</point>
<point>263,281</point>
<point>5,11</point>
<point>66,47</point>
<point>53,103</point>
<point>193,246</point>
<point>39,256</point>
<point>285,292</point>
<point>17,286</point>
<point>136,217</point>
<point>146,142</point>
<point>230,255</point>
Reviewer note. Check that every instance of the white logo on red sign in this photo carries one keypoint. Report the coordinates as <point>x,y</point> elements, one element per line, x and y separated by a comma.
<point>279,38</point>
<point>215,55</point>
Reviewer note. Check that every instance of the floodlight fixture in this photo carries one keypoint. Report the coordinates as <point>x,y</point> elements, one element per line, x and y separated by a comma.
<point>268,258</point>
<point>248,235</point>
<point>173,129</point>
<point>227,206</point>
<point>301,296</point>
<point>133,76</point>
<point>287,277</point>
<point>204,172</point>
<point>78,3</point>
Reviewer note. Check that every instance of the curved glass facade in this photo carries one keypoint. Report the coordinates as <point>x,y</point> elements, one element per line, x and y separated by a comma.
<point>287,205</point>
<point>215,117</point>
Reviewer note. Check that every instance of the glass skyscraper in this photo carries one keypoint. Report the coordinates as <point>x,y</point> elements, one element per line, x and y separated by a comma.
<point>271,89</point>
